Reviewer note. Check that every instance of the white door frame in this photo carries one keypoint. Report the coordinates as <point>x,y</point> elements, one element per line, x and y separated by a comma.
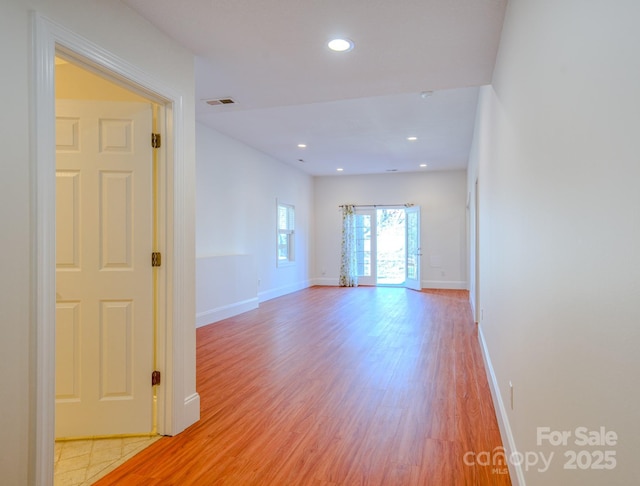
<point>414,284</point>
<point>373,278</point>
<point>47,38</point>
<point>370,279</point>
<point>476,260</point>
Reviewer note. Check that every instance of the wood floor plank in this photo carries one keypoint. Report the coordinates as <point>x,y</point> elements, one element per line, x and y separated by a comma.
<point>334,386</point>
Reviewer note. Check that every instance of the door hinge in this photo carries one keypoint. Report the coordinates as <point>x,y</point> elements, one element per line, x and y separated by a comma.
<point>156,140</point>
<point>155,378</point>
<point>156,259</point>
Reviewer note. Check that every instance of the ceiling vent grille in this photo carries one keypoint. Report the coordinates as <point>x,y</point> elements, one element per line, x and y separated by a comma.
<point>220,101</point>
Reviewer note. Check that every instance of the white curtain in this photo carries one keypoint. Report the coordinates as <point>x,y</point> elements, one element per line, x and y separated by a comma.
<point>349,261</point>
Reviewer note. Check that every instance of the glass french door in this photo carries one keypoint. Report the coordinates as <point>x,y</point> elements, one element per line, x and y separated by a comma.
<point>412,278</point>
<point>388,246</point>
<point>366,246</point>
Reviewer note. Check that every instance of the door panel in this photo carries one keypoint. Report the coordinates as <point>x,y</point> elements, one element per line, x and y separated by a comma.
<point>68,227</point>
<point>366,247</point>
<point>116,215</point>
<point>68,351</point>
<point>412,280</point>
<point>104,293</point>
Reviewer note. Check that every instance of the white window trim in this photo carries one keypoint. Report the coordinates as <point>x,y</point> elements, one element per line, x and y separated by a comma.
<point>290,232</point>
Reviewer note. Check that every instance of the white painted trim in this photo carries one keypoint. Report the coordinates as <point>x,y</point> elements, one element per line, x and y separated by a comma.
<point>515,470</point>
<point>175,413</point>
<point>280,291</point>
<point>472,303</point>
<point>191,409</point>
<point>214,315</point>
<point>327,281</point>
<point>426,284</point>
<point>42,142</point>
<point>445,284</point>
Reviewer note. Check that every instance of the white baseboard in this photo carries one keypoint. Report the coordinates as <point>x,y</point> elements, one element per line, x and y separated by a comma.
<point>326,281</point>
<point>280,291</point>
<point>508,442</point>
<point>444,284</point>
<point>191,410</point>
<point>224,312</point>
<point>426,284</point>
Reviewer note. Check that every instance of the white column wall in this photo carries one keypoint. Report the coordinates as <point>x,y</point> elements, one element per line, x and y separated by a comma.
<point>556,156</point>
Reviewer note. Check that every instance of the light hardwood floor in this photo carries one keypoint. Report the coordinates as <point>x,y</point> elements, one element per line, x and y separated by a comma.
<point>335,386</point>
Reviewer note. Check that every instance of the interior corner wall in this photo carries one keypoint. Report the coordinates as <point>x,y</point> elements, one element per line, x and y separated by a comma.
<point>556,157</point>
<point>15,259</point>
<point>236,193</point>
<point>442,197</point>
<point>116,28</point>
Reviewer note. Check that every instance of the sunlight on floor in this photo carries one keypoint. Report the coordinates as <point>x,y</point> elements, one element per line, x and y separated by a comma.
<point>82,462</point>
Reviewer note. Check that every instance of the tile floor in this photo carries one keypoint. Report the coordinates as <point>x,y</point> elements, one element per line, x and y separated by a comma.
<point>82,462</point>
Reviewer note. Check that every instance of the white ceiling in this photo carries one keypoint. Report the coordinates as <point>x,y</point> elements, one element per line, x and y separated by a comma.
<point>354,110</point>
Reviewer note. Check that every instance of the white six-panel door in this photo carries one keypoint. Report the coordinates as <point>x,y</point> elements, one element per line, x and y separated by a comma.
<point>104,286</point>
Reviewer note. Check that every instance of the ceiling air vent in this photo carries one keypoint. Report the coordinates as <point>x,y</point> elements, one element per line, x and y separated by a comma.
<point>220,101</point>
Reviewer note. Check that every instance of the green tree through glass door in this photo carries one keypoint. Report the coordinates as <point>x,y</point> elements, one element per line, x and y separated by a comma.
<point>388,246</point>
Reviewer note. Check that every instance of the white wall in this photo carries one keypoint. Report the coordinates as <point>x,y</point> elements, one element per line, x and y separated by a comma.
<point>237,189</point>
<point>132,41</point>
<point>15,261</point>
<point>442,199</point>
<point>556,155</point>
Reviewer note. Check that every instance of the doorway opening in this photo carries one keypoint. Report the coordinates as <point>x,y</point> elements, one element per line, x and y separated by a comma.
<point>106,319</point>
<point>177,404</point>
<point>388,246</point>
<point>106,230</point>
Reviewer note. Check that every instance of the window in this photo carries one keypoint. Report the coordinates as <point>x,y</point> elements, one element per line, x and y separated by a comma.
<point>286,232</point>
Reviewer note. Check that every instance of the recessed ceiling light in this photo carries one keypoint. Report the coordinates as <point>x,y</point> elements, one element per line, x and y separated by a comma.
<point>302,145</point>
<point>412,139</point>
<point>423,165</point>
<point>340,169</point>
<point>340,45</point>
